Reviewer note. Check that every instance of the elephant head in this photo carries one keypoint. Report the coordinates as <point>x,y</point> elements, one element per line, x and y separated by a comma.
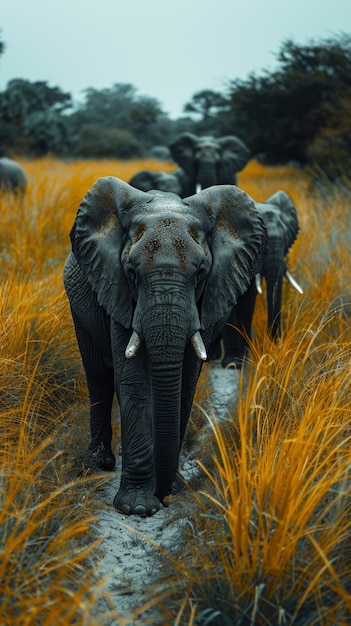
<point>12,176</point>
<point>207,161</point>
<point>280,217</point>
<point>167,272</point>
<point>146,180</point>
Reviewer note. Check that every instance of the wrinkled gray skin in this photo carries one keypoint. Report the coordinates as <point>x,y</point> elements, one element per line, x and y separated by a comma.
<point>281,221</point>
<point>165,268</point>
<point>12,176</point>
<point>146,180</point>
<point>207,161</point>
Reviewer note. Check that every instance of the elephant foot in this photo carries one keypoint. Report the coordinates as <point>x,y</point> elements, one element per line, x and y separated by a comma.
<point>101,456</point>
<point>136,501</point>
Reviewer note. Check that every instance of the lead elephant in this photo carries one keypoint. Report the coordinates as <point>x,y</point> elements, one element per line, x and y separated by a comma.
<point>146,180</point>
<point>12,176</point>
<point>281,221</point>
<point>151,279</point>
<point>207,161</point>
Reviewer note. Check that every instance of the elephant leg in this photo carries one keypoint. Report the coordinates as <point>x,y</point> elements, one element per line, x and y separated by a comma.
<point>100,381</point>
<point>137,486</point>
<point>238,328</point>
<point>92,326</point>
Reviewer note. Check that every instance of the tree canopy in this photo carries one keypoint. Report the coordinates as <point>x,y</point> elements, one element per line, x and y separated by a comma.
<point>284,113</point>
<point>298,113</point>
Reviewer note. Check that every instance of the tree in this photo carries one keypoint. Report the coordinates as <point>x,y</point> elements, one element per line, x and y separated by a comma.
<point>2,45</point>
<point>22,100</point>
<point>206,103</point>
<point>120,108</point>
<point>282,113</point>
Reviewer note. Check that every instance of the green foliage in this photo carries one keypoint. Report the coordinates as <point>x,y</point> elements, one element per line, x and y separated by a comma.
<point>284,112</point>
<point>98,141</point>
<point>119,110</point>
<point>207,103</point>
<point>2,45</point>
<point>31,119</point>
<point>298,113</point>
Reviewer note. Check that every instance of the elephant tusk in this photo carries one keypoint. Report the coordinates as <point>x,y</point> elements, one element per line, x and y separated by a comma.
<point>133,345</point>
<point>199,346</point>
<point>258,282</point>
<point>293,282</point>
<point>198,187</point>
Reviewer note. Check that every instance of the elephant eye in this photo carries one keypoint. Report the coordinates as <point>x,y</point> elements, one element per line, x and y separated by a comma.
<point>200,275</point>
<point>132,276</point>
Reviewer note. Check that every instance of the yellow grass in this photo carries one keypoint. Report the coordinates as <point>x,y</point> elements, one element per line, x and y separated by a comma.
<point>272,525</point>
<point>272,542</point>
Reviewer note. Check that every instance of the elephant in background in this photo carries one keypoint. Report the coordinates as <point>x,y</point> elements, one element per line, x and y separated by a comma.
<point>280,217</point>
<point>151,280</point>
<point>162,153</point>
<point>146,180</point>
<point>12,176</point>
<point>207,161</point>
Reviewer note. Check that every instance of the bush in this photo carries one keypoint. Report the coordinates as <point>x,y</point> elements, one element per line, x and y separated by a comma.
<point>99,142</point>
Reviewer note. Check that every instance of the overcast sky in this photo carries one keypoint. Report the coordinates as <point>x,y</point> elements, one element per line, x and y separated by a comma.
<point>167,49</point>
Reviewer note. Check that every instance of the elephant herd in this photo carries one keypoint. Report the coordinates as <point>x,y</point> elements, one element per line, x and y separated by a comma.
<point>163,274</point>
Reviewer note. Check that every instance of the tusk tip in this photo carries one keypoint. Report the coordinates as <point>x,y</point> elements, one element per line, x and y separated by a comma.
<point>133,346</point>
<point>199,346</point>
<point>293,282</point>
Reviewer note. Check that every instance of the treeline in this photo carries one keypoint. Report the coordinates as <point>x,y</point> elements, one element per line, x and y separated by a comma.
<point>298,113</point>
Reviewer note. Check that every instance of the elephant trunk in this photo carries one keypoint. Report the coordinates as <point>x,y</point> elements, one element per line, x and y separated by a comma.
<point>206,174</point>
<point>166,384</point>
<point>274,268</point>
<point>166,334</point>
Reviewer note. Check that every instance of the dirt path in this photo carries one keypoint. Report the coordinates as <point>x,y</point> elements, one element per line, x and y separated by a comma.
<point>129,560</point>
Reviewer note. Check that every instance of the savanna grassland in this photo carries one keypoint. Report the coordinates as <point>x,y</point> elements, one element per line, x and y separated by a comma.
<point>269,541</point>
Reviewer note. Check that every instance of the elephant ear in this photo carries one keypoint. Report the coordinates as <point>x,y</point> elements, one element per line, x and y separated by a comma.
<point>287,216</point>
<point>237,238</point>
<point>235,155</point>
<point>182,150</point>
<point>97,238</point>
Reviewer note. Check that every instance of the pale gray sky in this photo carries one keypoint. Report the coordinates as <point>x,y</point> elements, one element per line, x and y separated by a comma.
<point>167,49</point>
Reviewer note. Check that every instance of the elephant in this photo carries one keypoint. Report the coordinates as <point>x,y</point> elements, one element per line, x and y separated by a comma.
<point>162,153</point>
<point>12,176</point>
<point>281,221</point>
<point>207,161</point>
<point>151,279</point>
<point>146,180</point>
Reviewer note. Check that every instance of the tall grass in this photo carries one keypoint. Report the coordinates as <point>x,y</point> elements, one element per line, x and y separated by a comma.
<point>271,523</point>
<point>48,552</point>
<point>271,538</point>
<point>273,542</point>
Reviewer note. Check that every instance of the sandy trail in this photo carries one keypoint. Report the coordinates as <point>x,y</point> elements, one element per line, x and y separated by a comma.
<point>129,560</point>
